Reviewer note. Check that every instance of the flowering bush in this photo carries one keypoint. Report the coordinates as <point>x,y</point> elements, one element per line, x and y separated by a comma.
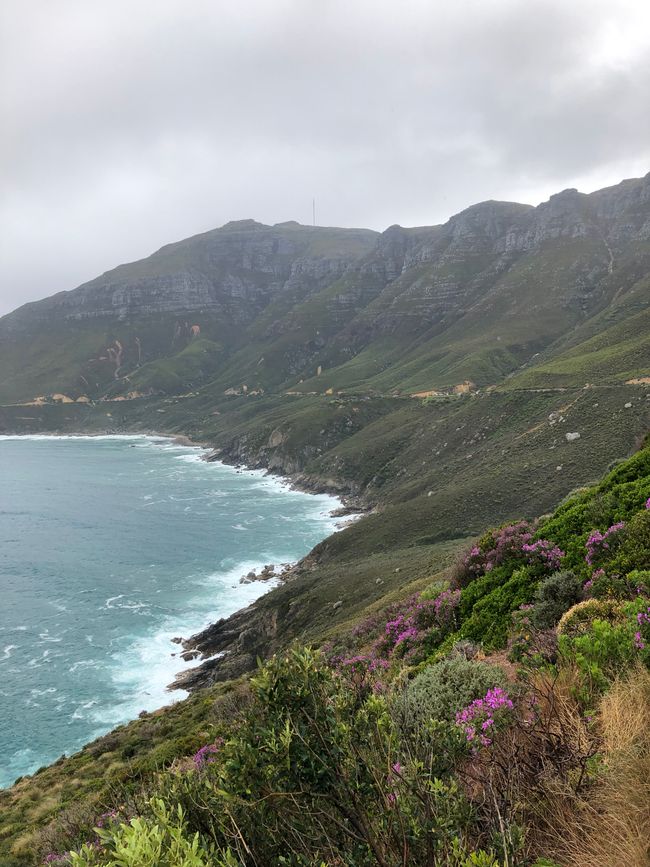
<point>481,719</point>
<point>600,545</point>
<point>642,634</point>
<point>442,689</point>
<point>316,769</point>
<point>206,755</point>
<point>422,621</point>
<point>513,546</point>
<point>497,547</point>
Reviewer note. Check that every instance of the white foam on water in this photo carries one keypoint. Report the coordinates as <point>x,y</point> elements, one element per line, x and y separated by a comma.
<point>144,667</point>
<point>191,459</point>
<point>95,437</point>
<point>22,762</point>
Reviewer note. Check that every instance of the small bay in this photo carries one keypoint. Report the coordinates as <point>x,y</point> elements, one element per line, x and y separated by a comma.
<point>109,547</point>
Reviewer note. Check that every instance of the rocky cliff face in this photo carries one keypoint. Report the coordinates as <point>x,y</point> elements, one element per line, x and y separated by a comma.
<point>279,304</point>
<point>233,272</point>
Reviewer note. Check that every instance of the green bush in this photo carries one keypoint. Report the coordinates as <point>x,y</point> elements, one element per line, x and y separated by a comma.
<point>150,842</point>
<point>639,580</point>
<point>317,772</point>
<point>491,614</point>
<point>555,595</point>
<point>634,549</point>
<point>444,688</point>
<point>578,619</point>
<point>606,647</point>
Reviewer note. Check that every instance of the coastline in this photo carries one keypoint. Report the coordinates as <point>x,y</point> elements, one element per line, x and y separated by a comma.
<point>188,670</point>
<point>352,502</point>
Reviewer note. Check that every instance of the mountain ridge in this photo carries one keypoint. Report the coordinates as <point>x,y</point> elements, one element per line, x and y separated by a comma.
<point>279,303</point>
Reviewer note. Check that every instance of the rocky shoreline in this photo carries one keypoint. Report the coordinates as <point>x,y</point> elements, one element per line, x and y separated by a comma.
<point>225,646</point>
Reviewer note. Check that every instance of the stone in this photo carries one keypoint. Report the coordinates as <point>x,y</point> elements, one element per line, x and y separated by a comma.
<point>572,436</point>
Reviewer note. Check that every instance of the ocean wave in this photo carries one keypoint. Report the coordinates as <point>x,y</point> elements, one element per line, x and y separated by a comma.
<point>83,663</point>
<point>132,655</point>
<point>94,437</point>
<point>144,667</point>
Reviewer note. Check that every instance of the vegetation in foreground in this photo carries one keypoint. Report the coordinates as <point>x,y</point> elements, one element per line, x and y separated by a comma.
<point>497,717</point>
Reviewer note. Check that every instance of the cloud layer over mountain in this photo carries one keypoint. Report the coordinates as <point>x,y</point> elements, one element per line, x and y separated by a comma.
<point>131,125</point>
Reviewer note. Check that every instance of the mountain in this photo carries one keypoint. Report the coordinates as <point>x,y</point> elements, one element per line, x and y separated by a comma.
<point>442,378</point>
<point>549,296</point>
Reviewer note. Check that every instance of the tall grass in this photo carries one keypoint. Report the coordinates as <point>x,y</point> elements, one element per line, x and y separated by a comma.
<point>610,826</point>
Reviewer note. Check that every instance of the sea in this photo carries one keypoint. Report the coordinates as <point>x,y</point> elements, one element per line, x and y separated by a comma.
<point>110,546</point>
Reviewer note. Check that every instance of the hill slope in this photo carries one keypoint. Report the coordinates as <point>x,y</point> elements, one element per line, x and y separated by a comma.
<point>303,308</point>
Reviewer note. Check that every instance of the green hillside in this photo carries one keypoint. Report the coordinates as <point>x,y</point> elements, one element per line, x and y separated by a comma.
<point>491,713</point>
<point>500,291</point>
<point>442,380</point>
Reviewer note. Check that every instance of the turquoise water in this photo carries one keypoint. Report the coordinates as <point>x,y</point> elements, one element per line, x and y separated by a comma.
<point>109,547</point>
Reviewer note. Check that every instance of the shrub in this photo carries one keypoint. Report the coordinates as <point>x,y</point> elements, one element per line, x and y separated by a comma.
<point>600,546</point>
<point>580,617</point>
<point>419,626</point>
<point>490,616</point>
<point>150,842</point>
<point>508,547</point>
<point>639,581</point>
<point>442,689</point>
<point>554,595</point>
<point>484,716</point>
<point>603,585</point>
<point>315,772</point>
<point>606,648</point>
<point>633,552</point>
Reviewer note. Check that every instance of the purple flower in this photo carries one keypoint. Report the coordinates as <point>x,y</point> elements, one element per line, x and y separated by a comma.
<point>643,616</point>
<point>599,542</point>
<point>483,714</point>
<point>205,755</point>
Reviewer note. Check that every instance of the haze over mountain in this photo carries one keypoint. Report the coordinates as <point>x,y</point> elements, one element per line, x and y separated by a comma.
<point>501,289</point>
<point>127,126</point>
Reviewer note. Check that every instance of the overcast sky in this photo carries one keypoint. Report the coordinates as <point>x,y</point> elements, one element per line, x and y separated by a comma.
<point>131,123</point>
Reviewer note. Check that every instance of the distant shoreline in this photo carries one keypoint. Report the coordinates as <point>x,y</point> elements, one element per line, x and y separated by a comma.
<point>195,660</point>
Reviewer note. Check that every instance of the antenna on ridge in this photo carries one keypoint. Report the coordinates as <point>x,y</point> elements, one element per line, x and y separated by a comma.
<point>313,210</point>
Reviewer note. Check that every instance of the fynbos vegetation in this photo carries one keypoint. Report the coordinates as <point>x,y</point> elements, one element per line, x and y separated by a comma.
<point>499,716</point>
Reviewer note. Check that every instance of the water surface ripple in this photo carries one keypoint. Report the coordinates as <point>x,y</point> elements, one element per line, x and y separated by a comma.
<point>109,547</point>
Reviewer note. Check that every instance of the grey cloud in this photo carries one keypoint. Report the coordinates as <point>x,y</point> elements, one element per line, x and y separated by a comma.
<point>129,125</point>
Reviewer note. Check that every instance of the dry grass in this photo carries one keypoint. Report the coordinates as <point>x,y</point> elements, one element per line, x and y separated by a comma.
<point>536,770</point>
<point>610,825</point>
